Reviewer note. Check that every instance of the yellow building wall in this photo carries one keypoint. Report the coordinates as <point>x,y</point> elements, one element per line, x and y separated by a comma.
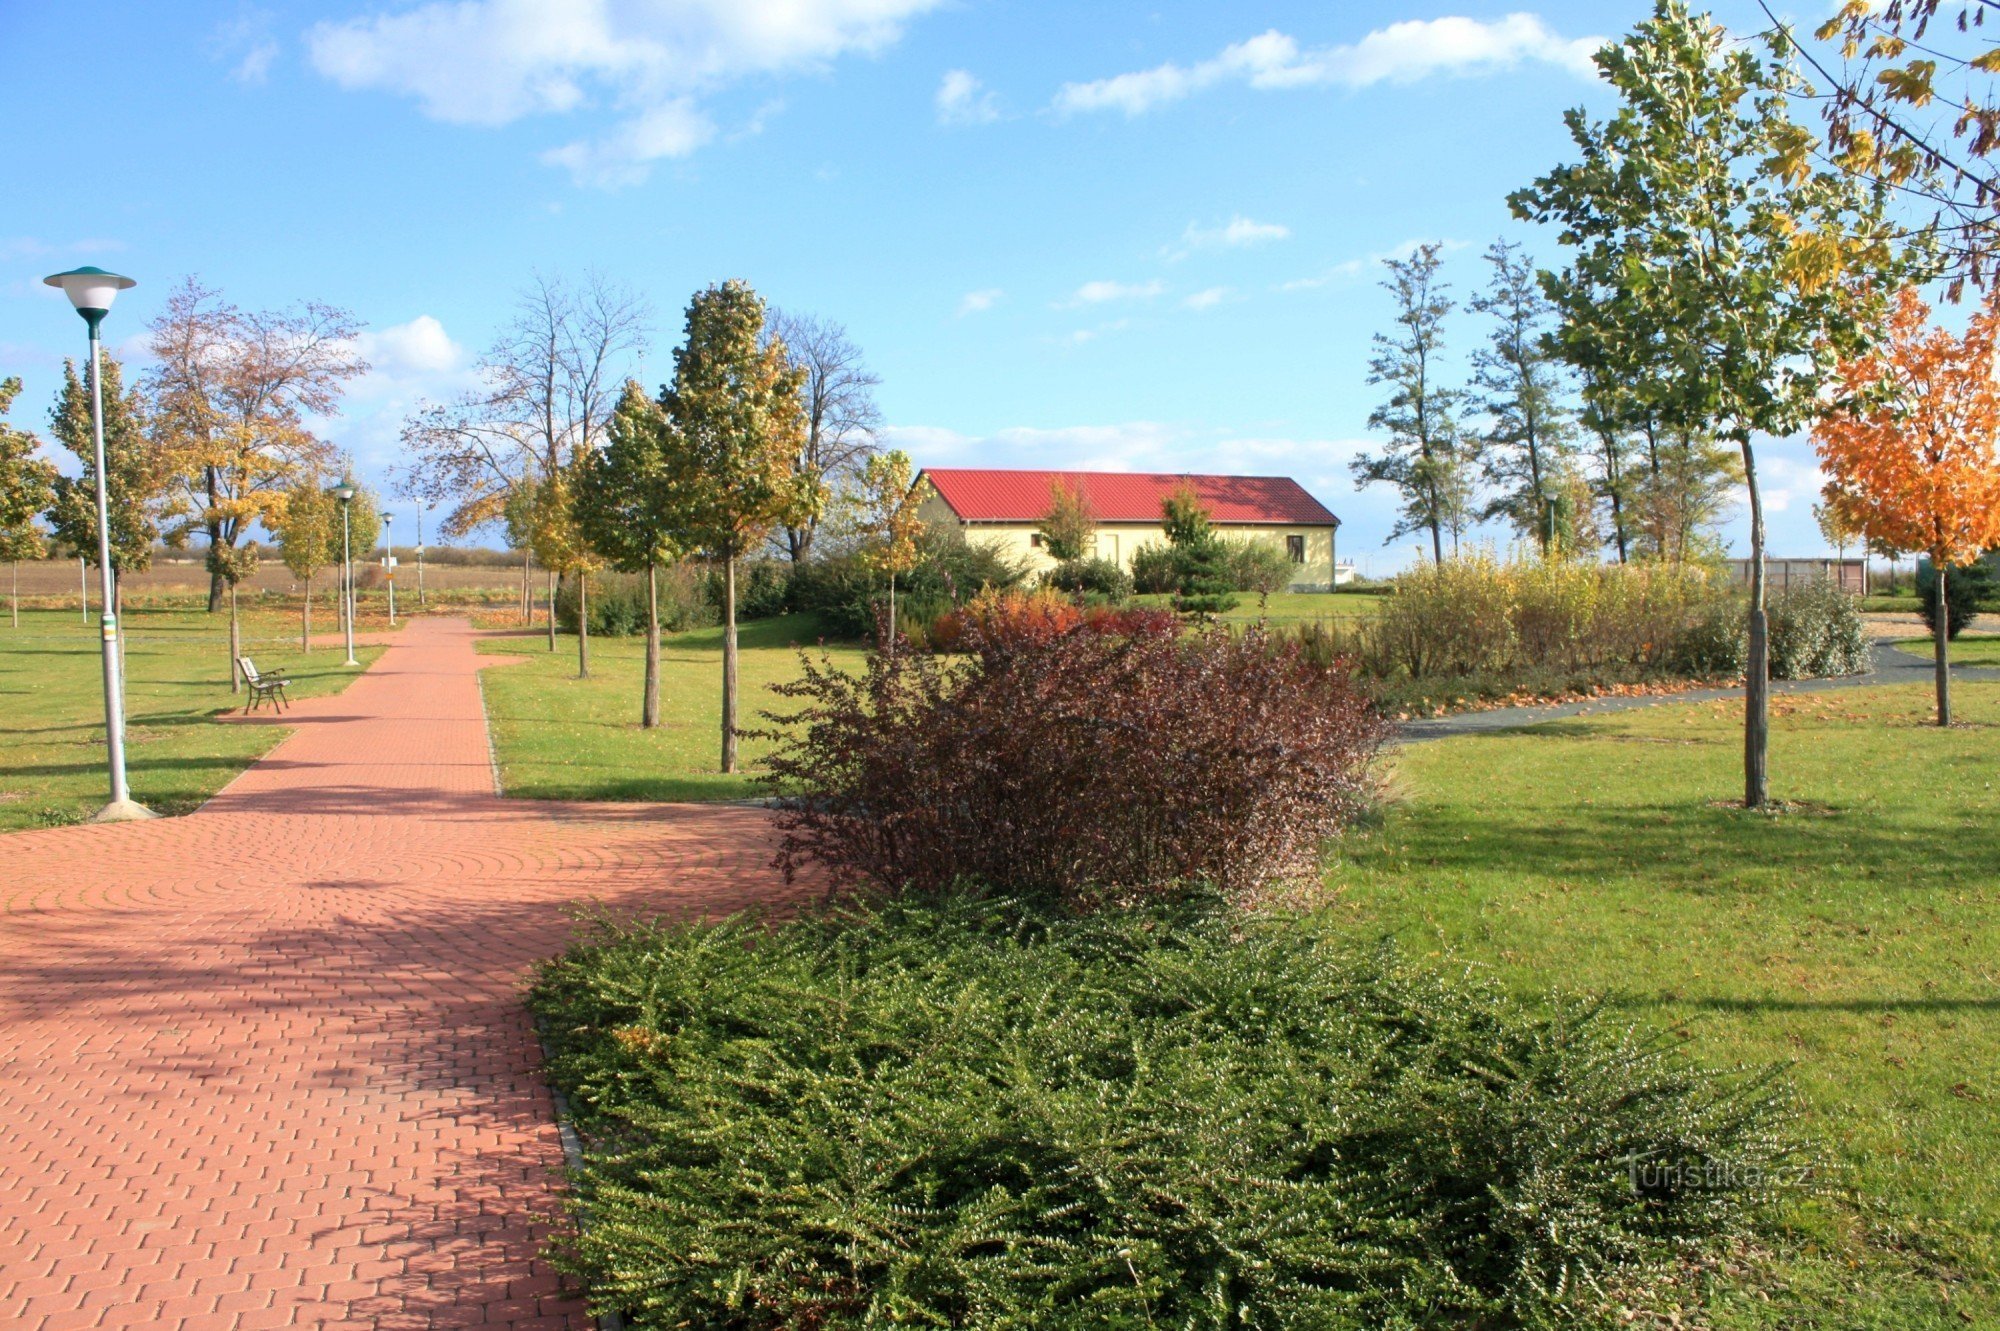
<point>1117,541</point>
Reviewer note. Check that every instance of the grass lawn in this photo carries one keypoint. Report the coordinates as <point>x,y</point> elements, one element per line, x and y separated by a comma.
<point>559,737</point>
<point>176,671</point>
<point>1289,607</point>
<point>1856,938</point>
<point>1964,651</point>
<point>1901,604</point>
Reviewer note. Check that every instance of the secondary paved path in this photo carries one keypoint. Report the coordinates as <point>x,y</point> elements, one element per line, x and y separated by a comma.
<point>267,1065</point>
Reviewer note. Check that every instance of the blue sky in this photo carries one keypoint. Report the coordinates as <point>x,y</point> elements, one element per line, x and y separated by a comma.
<point>1140,237</point>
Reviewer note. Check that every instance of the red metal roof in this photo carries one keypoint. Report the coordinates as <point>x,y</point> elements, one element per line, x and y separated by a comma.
<point>982,495</point>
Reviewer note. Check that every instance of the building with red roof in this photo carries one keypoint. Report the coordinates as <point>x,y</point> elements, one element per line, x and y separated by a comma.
<point>1006,508</point>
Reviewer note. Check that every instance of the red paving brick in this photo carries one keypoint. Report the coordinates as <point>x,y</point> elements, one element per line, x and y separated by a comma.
<point>267,1065</point>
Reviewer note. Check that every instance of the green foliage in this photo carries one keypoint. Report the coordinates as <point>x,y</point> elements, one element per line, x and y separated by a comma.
<point>1531,444</point>
<point>847,594</point>
<point>618,602</point>
<point>1153,569</point>
<point>1967,590</point>
<point>364,523</point>
<point>1099,578</point>
<point>1185,518</point>
<point>307,525</point>
<point>27,484</point>
<point>763,588</point>
<point>964,1113</point>
<point>627,504</point>
<point>1816,633</point>
<point>1070,526</point>
<point>1258,566</point>
<point>136,473</point>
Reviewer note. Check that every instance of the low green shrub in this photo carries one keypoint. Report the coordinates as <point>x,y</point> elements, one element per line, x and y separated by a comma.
<point>618,602</point>
<point>763,588</point>
<point>1100,578</point>
<point>1816,633</point>
<point>1258,566</point>
<point>1968,590</point>
<point>962,1113</point>
<point>852,599</point>
<point>1153,569</point>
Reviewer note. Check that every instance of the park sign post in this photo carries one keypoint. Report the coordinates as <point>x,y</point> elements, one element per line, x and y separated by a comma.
<point>91,291</point>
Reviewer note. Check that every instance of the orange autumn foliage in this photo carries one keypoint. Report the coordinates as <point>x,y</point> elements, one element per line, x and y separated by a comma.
<point>1918,468</point>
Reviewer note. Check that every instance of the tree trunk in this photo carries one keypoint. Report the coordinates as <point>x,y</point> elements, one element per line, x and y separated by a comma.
<point>527,592</point>
<point>214,538</point>
<point>729,664</point>
<point>118,612</point>
<point>583,625</point>
<point>1437,544</point>
<point>83,586</point>
<point>235,645</point>
<point>1941,641</point>
<point>14,601</point>
<point>552,609</point>
<point>1757,674</point>
<point>892,612</point>
<point>306,626</point>
<point>649,708</point>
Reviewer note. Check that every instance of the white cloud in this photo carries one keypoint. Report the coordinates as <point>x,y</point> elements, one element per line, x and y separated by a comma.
<point>1080,336</point>
<point>1207,299</point>
<point>978,302</point>
<point>1239,232</point>
<point>418,347</point>
<point>1348,269</point>
<point>964,100</point>
<point>492,62</point>
<point>246,43</point>
<point>1097,293</point>
<point>1400,53</point>
<point>32,247</point>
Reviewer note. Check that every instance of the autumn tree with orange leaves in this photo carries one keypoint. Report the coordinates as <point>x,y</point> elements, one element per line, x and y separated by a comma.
<point>1914,463</point>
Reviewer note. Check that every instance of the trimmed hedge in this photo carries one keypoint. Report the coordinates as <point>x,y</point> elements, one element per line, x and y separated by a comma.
<point>962,1113</point>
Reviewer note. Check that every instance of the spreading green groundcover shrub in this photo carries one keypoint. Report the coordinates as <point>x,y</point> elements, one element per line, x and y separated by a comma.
<point>959,1113</point>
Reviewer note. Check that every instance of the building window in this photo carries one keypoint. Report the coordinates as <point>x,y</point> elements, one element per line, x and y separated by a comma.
<point>1035,540</point>
<point>1295,546</point>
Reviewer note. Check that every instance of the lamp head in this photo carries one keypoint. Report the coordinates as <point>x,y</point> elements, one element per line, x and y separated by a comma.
<point>90,290</point>
<point>343,492</point>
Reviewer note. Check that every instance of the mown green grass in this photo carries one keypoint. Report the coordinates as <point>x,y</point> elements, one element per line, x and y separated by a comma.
<point>559,737</point>
<point>52,760</point>
<point>1855,938</point>
<point>1906,603</point>
<point>1964,651</point>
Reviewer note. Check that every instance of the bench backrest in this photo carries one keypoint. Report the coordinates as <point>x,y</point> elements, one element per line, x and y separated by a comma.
<point>249,670</point>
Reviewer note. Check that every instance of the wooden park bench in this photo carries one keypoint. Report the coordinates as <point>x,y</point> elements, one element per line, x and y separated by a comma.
<point>262,686</point>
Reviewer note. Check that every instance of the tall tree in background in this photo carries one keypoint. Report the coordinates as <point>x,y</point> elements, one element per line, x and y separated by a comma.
<point>1735,269</point>
<point>1070,526</point>
<point>547,387</point>
<point>231,394</point>
<point>890,522</point>
<point>1425,456</point>
<point>739,430</point>
<point>307,525</point>
<point>27,486</point>
<point>838,396</point>
<point>517,522</point>
<point>632,514</point>
<point>1605,420</point>
<point>1529,453</point>
<point>137,474</point>
<point>1913,459</point>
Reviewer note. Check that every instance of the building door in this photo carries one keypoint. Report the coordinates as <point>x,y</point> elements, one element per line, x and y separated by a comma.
<point>1107,546</point>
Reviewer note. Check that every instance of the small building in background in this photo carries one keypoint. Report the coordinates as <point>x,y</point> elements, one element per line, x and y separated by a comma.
<point>1850,575</point>
<point>1006,508</point>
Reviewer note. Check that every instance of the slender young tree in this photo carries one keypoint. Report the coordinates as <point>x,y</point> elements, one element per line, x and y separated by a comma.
<point>563,549</point>
<point>307,526</point>
<point>1425,455</point>
<point>1528,455</point>
<point>1737,271</point>
<point>890,522</point>
<point>739,427</point>
<point>1070,525</point>
<point>1604,420</point>
<point>27,486</point>
<point>137,475</point>
<point>631,513</point>
<point>841,416</point>
<point>1913,457</point>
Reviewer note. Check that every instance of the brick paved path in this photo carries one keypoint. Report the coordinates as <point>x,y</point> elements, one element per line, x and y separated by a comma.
<point>267,1065</point>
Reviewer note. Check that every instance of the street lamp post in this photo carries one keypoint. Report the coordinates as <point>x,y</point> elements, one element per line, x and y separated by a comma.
<point>91,291</point>
<point>345,494</point>
<point>389,564</point>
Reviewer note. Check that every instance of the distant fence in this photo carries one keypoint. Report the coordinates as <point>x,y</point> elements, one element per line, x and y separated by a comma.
<point>58,577</point>
<point>1851,575</point>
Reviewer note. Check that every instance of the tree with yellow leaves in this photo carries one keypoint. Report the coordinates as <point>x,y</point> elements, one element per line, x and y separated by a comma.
<point>889,522</point>
<point>1913,458</point>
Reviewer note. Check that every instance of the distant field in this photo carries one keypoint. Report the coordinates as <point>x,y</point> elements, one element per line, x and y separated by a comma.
<point>177,679</point>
